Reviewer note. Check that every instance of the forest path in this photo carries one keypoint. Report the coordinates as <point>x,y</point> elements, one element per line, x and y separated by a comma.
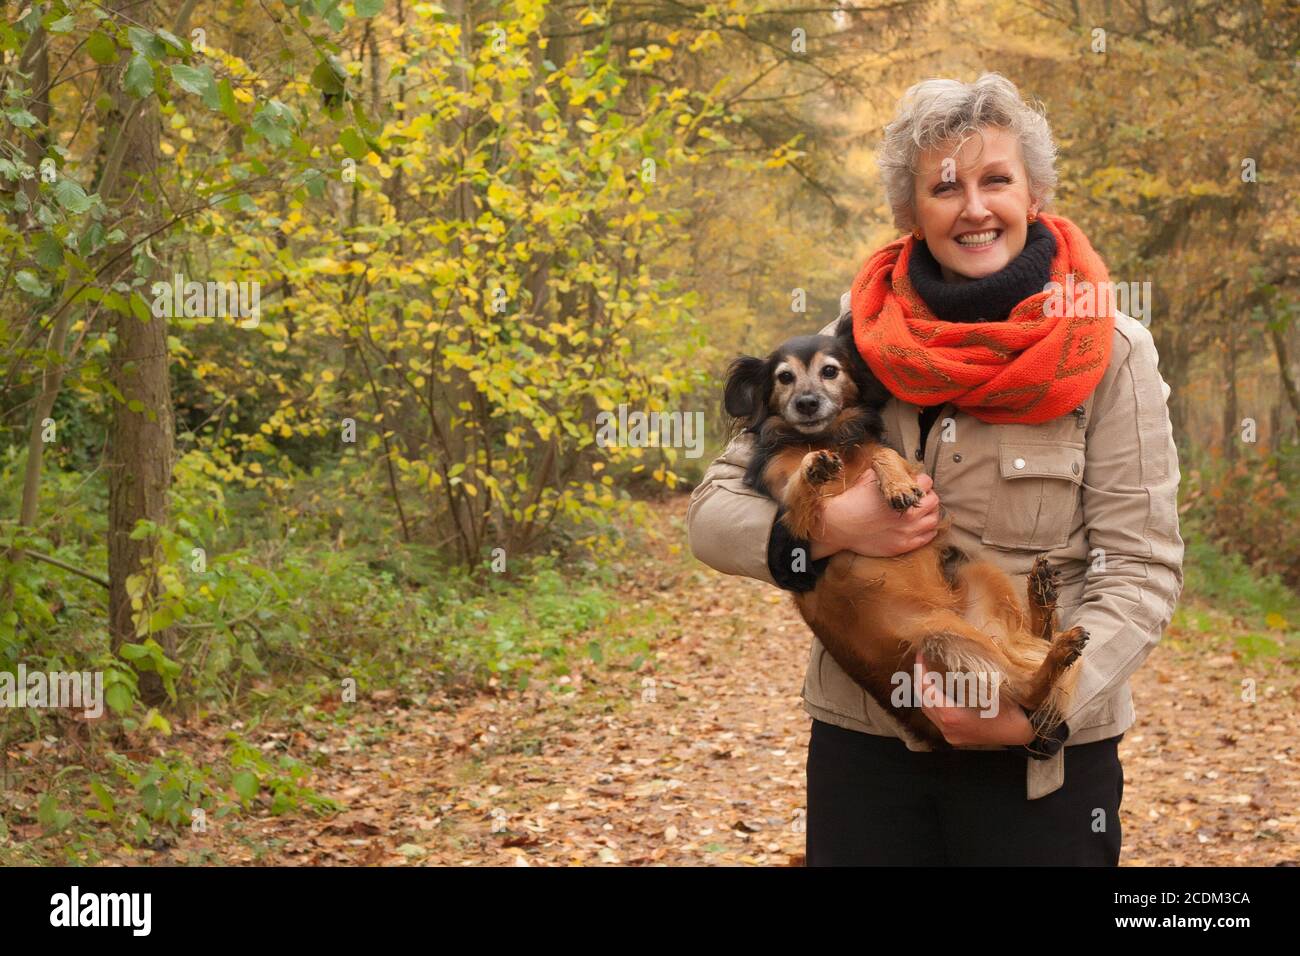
<point>698,758</point>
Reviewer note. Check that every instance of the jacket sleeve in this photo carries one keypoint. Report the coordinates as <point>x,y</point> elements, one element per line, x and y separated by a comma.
<point>728,523</point>
<point>1130,497</point>
<point>1045,745</point>
<point>789,558</point>
<point>733,528</point>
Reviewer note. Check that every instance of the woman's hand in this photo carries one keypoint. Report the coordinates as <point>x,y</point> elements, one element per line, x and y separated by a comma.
<point>963,726</point>
<point>859,519</point>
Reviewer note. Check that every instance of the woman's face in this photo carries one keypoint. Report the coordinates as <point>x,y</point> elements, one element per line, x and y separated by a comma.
<point>974,210</point>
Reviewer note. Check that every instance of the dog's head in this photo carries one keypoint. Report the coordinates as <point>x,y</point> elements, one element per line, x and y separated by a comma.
<point>807,382</point>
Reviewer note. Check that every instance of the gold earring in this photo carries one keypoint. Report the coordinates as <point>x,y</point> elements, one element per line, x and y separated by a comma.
<point>917,234</point>
<point>1033,217</point>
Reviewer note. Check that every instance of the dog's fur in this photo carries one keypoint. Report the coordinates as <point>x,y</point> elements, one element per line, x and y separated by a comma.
<point>814,406</point>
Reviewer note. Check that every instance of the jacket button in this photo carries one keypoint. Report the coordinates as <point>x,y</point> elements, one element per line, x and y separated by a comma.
<point>1018,463</point>
<point>1075,466</point>
<point>920,456</point>
<point>956,457</point>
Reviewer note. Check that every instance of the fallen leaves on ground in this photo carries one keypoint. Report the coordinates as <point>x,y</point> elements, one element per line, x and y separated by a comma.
<point>698,757</point>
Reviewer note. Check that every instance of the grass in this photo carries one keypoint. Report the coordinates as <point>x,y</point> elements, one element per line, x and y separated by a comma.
<point>397,622</point>
<point>1223,596</point>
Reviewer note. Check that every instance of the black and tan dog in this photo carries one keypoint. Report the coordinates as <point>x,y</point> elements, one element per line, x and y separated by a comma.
<point>814,406</point>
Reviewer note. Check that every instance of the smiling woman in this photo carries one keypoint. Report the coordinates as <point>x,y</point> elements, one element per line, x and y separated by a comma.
<point>1042,436</point>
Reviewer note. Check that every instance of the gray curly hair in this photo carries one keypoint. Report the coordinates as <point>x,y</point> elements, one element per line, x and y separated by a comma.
<point>934,112</point>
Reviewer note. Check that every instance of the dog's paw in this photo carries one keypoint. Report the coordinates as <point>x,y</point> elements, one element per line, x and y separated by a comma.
<point>1070,644</point>
<point>820,467</point>
<point>1044,583</point>
<point>902,497</point>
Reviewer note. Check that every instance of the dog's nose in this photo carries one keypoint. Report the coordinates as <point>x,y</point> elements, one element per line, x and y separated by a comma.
<point>807,404</point>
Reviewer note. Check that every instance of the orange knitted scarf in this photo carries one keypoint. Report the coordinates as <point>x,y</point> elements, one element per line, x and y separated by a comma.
<point>1040,363</point>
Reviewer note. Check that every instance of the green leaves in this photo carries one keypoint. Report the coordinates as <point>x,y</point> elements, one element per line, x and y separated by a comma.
<point>140,309</point>
<point>329,76</point>
<point>226,102</point>
<point>275,122</point>
<point>353,143</point>
<point>196,80</point>
<point>119,698</point>
<point>49,251</point>
<point>245,784</point>
<point>148,655</point>
<point>102,796</point>
<point>70,195</point>
<point>50,816</point>
<point>145,43</point>
<point>20,118</point>
<point>329,11</point>
<point>156,721</point>
<point>138,79</point>
<point>101,48</point>
<point>314,181</point>
<point>172,40</point>
<point>151,46</point>
<point>31,283</point>
<point>369,8</point>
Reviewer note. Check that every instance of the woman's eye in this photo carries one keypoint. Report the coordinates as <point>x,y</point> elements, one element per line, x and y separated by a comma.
<point>944,187</point>
<point>1002,180</point>
<point>830,371</point>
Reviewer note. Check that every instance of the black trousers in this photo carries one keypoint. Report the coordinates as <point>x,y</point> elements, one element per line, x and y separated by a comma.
<point>873,802</point>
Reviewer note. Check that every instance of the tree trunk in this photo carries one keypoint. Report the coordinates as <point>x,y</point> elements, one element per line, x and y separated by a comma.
<point>35,60</point>
<point>140,440</point>
<point>1231,424</point>
<point>1278,336</point>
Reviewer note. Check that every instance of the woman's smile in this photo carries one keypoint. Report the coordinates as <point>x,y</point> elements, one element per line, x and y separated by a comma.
<point>978,241</point>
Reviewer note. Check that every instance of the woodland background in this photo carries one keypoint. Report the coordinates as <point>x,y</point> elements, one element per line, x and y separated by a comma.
<point>473,227</point>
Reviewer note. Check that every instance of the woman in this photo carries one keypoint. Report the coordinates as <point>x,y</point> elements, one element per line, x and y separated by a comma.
<point>1043,428</point>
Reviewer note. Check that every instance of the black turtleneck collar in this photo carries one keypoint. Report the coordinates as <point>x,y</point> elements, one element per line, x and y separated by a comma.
<point>991,298</point>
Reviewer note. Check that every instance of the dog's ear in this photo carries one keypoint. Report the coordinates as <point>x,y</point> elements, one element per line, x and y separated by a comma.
<point>748,385</point>
<point>870,390</point>
<point>844,327</point>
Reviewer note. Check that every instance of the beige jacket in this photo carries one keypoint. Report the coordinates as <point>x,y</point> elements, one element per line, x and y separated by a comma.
<point>1095,490</point>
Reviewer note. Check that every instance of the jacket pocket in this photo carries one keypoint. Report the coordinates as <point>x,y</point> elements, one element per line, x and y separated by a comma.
<point>1036,494</point>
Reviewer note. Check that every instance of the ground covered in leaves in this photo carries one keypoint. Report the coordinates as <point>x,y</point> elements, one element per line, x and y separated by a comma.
<point>697,756</point>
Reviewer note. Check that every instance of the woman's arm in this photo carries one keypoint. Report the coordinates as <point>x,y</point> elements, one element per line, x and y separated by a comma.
<point>1130,498</point>
<point>730,525</point>
<point>734,529</point>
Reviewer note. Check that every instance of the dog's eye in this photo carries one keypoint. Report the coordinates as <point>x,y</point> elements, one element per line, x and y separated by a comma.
<point>786,377</point>
<point>829,371</point>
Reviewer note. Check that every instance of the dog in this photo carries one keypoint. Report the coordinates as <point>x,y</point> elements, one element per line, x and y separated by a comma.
<point>814,407</point>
